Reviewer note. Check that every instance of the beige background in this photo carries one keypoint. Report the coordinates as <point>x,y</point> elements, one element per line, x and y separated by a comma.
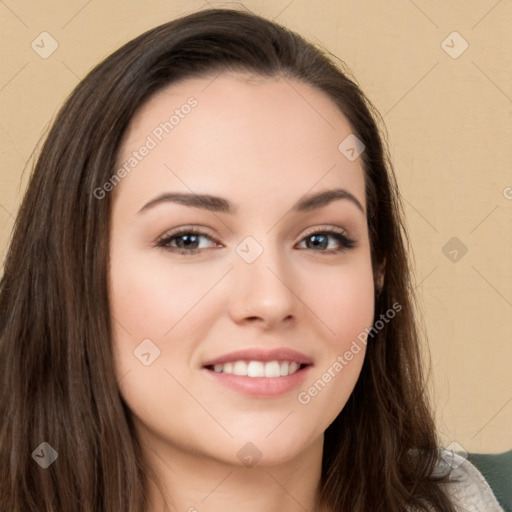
<point>449,128</point>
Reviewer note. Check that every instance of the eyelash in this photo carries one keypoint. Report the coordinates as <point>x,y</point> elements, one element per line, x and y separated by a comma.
<point>345,242</point>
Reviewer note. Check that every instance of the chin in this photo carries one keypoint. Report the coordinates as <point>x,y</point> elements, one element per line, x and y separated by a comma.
<point>276,449</point>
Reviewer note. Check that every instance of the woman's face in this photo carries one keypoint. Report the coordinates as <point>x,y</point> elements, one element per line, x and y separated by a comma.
<point>217,301</point>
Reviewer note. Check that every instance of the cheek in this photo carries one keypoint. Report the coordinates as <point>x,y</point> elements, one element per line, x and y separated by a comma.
<point>167,304</point>
<point>343,300</point>
<point>149,302</point>
<point>149,296</point>
<point>345,305</point>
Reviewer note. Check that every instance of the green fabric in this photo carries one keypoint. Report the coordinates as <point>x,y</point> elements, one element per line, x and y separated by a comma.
<point>497,470</point>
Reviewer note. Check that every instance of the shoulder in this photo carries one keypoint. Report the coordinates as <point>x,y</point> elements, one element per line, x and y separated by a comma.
<point>469,490</point>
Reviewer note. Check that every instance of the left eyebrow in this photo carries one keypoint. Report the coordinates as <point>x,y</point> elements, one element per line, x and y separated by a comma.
<point>220,204</point>
<point>315,201</point>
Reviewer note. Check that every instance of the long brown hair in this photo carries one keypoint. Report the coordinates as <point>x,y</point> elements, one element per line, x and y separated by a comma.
<point>57,382</point>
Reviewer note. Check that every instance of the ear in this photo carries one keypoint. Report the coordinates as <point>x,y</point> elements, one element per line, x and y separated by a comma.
<point>379,277</point>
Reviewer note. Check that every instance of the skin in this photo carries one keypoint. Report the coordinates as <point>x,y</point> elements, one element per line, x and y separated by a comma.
<point>263,144</point>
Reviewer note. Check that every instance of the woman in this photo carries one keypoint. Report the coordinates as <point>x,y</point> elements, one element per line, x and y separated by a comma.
<point>206,301</point>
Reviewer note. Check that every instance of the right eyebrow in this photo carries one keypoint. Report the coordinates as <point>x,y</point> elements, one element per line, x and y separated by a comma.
<point>204,201</point>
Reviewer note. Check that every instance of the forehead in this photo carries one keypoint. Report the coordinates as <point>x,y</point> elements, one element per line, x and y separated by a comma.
<point>235,133</point>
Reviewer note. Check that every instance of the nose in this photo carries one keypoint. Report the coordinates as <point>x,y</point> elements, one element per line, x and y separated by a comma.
<point>263,291</point>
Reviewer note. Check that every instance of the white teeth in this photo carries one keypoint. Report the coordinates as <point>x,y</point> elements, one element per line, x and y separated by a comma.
<point>293,367</point>
<point>240,368</point>
<point>270,369</point>
<point>256,369</point>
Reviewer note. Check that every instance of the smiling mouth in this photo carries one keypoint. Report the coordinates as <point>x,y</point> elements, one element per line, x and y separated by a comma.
<point>247,368</point>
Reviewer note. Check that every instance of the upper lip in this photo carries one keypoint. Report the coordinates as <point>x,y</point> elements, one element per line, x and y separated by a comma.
<point>259,354</point>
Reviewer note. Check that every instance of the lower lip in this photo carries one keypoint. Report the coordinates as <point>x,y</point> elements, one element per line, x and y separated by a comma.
<point>261,386</point>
